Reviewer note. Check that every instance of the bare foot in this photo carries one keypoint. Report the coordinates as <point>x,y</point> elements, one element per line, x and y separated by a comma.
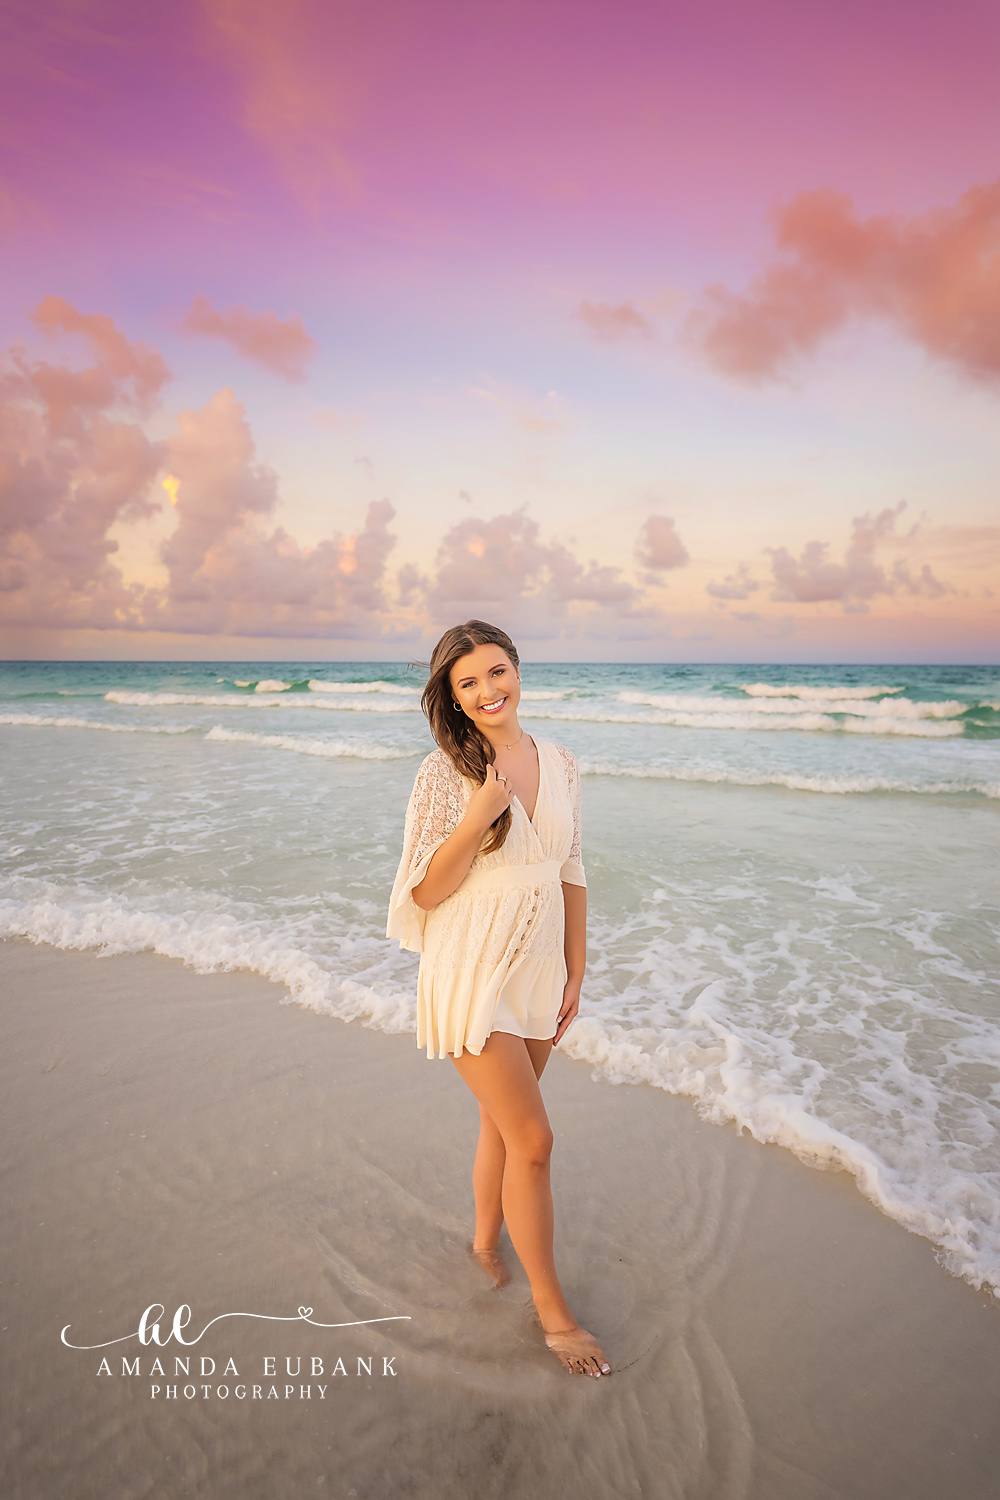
<point>493,1263</point>
<point>578,1351</point>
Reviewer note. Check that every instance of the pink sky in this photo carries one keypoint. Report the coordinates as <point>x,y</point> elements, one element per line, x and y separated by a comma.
<point>656,331</point>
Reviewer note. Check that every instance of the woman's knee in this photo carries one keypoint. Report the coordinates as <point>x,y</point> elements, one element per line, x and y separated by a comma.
<point>531,1142</point>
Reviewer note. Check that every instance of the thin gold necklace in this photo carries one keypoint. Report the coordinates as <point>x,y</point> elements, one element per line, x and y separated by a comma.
<point>515,742</point>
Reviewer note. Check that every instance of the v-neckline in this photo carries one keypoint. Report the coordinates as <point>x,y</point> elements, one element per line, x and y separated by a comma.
<point>534,812</point>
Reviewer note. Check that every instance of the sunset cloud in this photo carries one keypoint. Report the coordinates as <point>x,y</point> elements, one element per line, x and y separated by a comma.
<point>504,564</point>
<point>280,345</point>
<point>123,373</point>
<point>295,66</point>
<point>659,547</point>
<point>934,278</point>
<point>229,574</point>
<point>69,471</point>
<point>812,578</point>
<point>522,409</point>
<point>610,323</point>
<point>738,585</point>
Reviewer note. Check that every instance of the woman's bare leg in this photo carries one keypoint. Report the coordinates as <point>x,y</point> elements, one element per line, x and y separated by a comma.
<point>487,1183</point>
<point>491,1154</point>
<point>504,1080</point>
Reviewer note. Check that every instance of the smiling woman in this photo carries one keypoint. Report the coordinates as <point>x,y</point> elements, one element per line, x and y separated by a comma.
<point>493,897</point>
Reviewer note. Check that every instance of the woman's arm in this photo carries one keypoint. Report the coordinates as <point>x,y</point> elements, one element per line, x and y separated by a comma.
<point>451,861</point>
<point>575,948</point>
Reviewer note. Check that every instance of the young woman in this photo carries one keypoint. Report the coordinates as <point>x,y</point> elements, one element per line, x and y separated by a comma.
<point>491,892</point>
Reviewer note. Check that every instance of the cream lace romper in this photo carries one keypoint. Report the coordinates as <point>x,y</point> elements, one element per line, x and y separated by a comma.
<point>491,953</point>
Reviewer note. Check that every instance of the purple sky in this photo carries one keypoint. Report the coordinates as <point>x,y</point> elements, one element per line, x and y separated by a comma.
<point>649,331</point>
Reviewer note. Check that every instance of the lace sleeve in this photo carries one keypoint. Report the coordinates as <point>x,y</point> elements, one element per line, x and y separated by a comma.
<point>572,871</point>
<point>435,809</point>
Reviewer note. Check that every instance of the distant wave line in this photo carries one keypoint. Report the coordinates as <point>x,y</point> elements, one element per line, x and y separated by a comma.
<point>790,690</point>
<point>48,722</point>
<point>738,717</point>
<point>364,750</point>
<point>828,785</point>
<point>903,708</point>
<point>238,700</point>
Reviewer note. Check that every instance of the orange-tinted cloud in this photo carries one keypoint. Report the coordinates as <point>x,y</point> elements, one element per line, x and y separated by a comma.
<point>659,546</point>
<point>934,278</point>
<point>281,345</point>
<point>609,323</point>
<point>126,372</point>
<point>297,67</point>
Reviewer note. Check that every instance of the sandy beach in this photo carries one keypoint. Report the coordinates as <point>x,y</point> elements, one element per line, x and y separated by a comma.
<point>175,1138</point>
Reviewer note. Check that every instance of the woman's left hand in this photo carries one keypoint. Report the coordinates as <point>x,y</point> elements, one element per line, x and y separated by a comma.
<point>568,1009</point>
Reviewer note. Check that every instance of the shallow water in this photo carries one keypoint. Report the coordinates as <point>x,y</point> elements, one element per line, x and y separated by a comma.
<point>794,902</point>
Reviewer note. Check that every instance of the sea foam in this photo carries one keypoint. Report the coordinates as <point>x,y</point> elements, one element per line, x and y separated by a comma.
<point>735,1067</point>
<point>830,785</point>
<point>300,745</point>
<point>43,721</point>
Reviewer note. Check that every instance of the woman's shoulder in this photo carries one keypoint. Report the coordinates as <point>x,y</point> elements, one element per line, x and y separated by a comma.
<point>554,748</point>
<point>438,766</point>
<point>560,754</point>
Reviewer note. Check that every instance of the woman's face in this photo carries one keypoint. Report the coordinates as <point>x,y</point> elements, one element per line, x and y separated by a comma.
<point>487,686</point>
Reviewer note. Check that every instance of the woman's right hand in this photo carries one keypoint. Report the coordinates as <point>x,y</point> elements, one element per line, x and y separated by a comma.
<point>450,863</point>
<point>489,800</point>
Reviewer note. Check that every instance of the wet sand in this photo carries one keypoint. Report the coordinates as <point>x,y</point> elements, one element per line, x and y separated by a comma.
<point>174,1138</point>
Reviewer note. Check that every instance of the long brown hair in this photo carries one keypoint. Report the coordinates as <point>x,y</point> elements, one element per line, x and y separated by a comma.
<point>469,751</point>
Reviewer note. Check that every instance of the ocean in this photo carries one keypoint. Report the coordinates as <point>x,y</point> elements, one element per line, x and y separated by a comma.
<point>793,878</point>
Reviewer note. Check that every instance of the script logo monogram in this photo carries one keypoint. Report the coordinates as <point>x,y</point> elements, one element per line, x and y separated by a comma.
<point>149,1332</point>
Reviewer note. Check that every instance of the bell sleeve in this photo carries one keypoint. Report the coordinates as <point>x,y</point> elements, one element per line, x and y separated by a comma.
<point>572,871</point>
<point>433,812</point>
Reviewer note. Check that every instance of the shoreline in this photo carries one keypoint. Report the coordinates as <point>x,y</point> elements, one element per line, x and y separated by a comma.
<point>182,1139</point>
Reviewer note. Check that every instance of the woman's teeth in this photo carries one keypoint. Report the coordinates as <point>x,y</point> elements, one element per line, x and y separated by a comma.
<point>492,708</point>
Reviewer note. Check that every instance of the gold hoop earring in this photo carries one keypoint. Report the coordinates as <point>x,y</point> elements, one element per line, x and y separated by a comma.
<point>456,706</point>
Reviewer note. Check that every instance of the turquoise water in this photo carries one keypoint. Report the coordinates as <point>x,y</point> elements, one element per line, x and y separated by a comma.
<point>794,901</point>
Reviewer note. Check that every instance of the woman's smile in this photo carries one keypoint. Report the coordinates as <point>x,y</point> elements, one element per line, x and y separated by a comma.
<point>494,707</point>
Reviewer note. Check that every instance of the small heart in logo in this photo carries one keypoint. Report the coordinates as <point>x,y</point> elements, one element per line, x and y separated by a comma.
<point>305,1312</point>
